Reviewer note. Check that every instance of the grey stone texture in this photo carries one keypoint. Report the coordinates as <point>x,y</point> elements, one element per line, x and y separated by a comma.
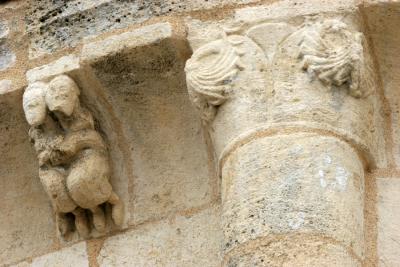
<point>7,56</point>
<point>52,25</point>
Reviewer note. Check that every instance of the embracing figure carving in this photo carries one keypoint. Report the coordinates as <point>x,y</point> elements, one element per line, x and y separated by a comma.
<point>73,160</point>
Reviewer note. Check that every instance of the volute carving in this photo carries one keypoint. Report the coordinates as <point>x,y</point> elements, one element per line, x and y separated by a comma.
<point>328,49</point>
<point>334,54</point>
<point>210,73</point>
<point>74,166</point>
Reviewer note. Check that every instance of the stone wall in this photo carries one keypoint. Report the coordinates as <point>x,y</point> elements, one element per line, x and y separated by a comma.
<point>243,185</point>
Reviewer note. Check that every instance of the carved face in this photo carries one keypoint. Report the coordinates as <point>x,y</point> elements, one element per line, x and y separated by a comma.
<point>62,95</point>
<point>34,104</point>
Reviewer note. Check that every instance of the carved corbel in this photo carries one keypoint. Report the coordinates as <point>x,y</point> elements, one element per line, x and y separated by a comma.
<point>73,159</point>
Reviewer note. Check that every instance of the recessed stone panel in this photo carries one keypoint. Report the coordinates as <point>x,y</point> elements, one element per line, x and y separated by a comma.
<point>27,227</point>
<point>141,76</point>
<point>383,20</point>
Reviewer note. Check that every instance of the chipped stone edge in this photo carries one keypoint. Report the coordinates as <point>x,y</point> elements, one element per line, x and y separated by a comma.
<point>142,36</point>
<point>47,72</point>
<point>284,9</point>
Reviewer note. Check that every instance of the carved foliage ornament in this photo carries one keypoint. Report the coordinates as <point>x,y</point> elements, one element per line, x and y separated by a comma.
<point>73,160</point>
<point>210,73</point>
<point>328,50</point>
<point>334,54</point>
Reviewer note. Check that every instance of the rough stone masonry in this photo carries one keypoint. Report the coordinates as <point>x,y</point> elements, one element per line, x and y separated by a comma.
<point>233,133</point>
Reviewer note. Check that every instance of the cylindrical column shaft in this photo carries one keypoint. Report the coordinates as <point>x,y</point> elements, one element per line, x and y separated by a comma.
<point>293,200</point>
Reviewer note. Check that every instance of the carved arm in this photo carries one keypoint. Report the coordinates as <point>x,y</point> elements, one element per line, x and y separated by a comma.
<point>75,142</point>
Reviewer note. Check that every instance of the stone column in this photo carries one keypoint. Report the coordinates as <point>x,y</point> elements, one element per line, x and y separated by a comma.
<point>290,109</point>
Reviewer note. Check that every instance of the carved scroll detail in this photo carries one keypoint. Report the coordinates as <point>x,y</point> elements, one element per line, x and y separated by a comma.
<point>73,160</point>
<point>210,74</point>
<point>334,54</point>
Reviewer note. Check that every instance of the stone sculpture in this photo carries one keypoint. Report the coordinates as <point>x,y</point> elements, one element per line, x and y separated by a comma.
<point>73,161</point>
<point>209,84</point>
<point>334,54</point>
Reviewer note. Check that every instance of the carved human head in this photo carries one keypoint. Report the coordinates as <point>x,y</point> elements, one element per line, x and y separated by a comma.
<point>34,103</point>
<point>62,95</point>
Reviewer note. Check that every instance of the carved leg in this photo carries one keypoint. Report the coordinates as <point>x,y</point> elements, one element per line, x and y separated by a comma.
<point>99,219</point>
<point>81,222</point>
<point>54,184</point>
<point>117,209</point>
<point>64,225</point>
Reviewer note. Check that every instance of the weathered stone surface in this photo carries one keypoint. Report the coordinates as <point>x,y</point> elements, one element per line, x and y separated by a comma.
<point>4,29</point>
<point>383,21</point>
<point>293,251</point>
<point>142,78</point>
<point>291,107</point>
<point>274,114</point>
<point>69,65</point>
<point>21,264</point>
<point>54,25</point>
<point>289,9</point>
<point>299,183</point>
<point>388,206</point>
<point>182,241</point>
<point>74,165</point>
<point>27,228</point>
<point>73,256</point>
<point>47,72</point>
<point>5,86</point>
<point>283,93</point>
<point>7,56</point>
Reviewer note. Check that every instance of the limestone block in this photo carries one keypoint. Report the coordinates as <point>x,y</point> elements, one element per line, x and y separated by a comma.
<point>63,65</point>
<point>141,76</point>
<point>289,9</point>
<point>301,185</point>
<point>388,207</point>
<point>21,264</point>
<point>192,240</point>
<point>73,256</point>
<point>26,217</point>
<point>54,25</point>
